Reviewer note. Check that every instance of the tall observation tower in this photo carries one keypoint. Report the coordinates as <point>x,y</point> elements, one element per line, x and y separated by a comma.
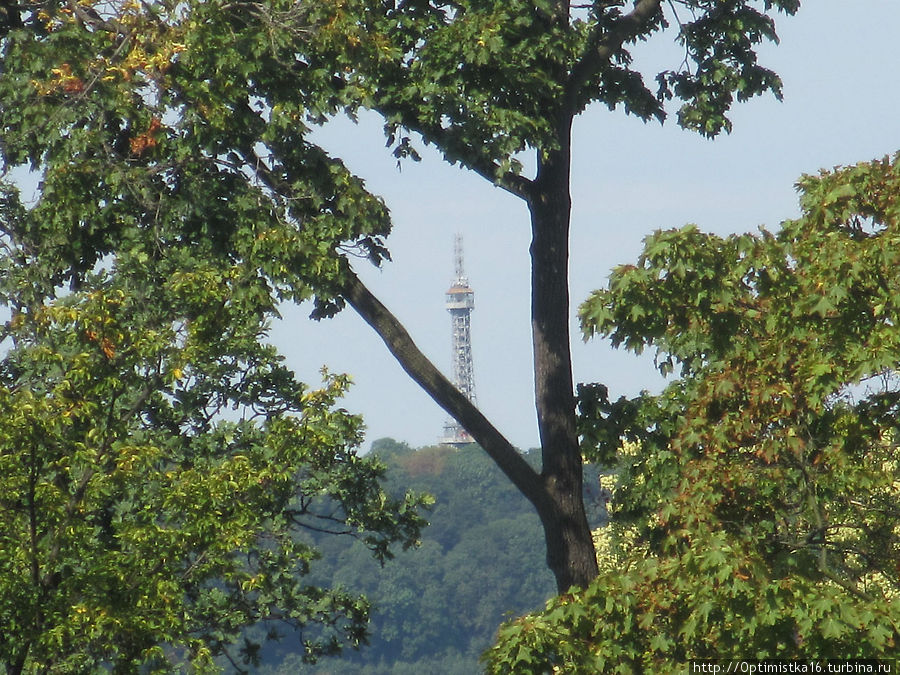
<point>460,303</point>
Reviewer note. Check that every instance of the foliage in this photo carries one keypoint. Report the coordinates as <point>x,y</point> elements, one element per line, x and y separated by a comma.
<point>434,609</point>
<point>158,460</point>
<point>187,122</point>
<point>763,483</point>
<point>484,80</point>
<point>181,122</point>
<point>141,521</point>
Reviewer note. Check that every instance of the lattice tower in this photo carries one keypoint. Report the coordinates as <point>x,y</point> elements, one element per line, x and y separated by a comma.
<point>460,303</point>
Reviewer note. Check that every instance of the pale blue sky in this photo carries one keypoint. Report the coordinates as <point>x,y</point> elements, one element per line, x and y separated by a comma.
<point>840,63</point>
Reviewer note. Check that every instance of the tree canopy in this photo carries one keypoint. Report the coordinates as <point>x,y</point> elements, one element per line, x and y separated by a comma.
<point>436,608</point>
<point>157,460</point>
<point>757,506</point>
<point>195,115</point>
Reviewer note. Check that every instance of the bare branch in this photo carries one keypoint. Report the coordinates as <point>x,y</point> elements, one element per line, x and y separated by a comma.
<point>458,151</point>
<point>427,376</point>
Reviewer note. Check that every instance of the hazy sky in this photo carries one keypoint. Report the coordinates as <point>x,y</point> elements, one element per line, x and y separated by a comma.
<point>840,63</point>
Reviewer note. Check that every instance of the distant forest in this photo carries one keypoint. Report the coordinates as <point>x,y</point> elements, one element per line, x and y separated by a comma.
<point>437,607</point>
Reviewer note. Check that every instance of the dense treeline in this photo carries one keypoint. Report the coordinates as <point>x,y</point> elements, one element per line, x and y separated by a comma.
<point>436,608</point>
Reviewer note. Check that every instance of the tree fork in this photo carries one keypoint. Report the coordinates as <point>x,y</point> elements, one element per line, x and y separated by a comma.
<point>557,492</point>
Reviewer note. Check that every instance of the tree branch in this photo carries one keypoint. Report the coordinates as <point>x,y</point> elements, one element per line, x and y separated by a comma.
<point>448,142</point>
<point>602,44</point>
<point>514,183</point>
<point>457,151</point>
<point>427,376</point>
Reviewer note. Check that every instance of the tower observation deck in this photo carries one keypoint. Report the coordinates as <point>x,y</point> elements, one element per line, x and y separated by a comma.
<point>460,303</point>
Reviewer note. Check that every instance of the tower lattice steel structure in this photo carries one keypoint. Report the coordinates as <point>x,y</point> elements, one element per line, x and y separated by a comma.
<point>460,303</point>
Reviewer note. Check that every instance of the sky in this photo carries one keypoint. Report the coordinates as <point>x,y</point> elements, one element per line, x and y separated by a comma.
<point>840,64</point>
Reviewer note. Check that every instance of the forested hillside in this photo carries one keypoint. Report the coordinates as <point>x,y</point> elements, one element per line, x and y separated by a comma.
<point>436,608</point>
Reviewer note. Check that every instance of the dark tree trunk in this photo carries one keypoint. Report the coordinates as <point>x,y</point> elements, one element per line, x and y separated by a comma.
<point>570,549</point>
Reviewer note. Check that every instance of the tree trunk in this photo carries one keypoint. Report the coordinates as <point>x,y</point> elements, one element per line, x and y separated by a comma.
<point>555,494</point>
<point>570,549</point>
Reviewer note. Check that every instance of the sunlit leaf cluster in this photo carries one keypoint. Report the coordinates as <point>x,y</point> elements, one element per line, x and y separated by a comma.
<point>158,465</point>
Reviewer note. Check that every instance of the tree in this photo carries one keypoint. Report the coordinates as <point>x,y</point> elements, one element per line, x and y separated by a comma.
<point>759,490</point>
<point>485,81</point>
<point>226,89</point>
<point>158,463</point>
